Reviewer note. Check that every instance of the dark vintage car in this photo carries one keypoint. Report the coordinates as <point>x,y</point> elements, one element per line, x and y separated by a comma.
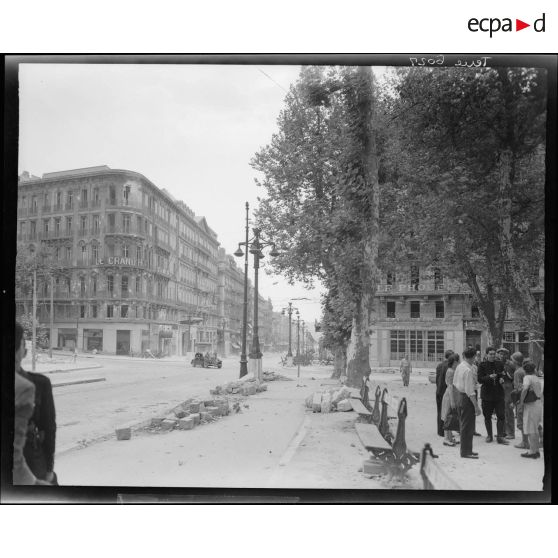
<point>206,361</point>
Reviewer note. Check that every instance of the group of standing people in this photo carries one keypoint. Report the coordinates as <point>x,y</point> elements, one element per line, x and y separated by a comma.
<point>34,423</point>
<point>509,388</point>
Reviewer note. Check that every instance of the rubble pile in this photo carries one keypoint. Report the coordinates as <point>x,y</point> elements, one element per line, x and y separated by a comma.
<point>327,401</point>
<point>192,412</point>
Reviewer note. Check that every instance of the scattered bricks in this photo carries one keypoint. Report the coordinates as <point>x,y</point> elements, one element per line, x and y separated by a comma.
<point>317,402</point>
<point>213,411</point>
<point>156,421</point>
<point>344,405</point>
<point>205,416</point>
<point>196,417</point>
<point>225,408</point>
<point>168,424</point>
<point>209,403</point>
<point>180,414</point>
<point>194,407</point>
<point>123,433</point>
<point>186,423</point>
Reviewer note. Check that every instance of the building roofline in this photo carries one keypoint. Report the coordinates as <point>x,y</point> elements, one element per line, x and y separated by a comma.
<point>106,170</point>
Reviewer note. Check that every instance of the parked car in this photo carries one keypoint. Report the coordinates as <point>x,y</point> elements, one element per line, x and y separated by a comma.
<point>206,361</point>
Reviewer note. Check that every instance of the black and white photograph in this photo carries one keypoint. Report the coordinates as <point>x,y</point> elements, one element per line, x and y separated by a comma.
<point>291,272</point>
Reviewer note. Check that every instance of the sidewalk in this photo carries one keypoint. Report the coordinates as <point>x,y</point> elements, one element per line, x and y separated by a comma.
<point>274,442</point>
<point>62,370</point>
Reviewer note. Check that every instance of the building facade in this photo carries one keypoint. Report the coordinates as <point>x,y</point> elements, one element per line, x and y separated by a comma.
<point>421,314</point>
<point>231,303</point>
<point>138,269</point>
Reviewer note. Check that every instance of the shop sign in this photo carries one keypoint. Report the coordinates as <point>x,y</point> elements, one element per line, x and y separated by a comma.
<point>117,260</point>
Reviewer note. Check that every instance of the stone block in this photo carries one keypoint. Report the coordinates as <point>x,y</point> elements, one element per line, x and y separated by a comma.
<point>252,389</point>
<point>344,405</point>
<point>317,402</point>
<point>214,411</point>
<point>235,390</point>
<point>168,424</point>
<point>156,421</point>
<point>123,433</point>
<point>205,416</point>
<point>196,417</point>
<point>186,423</point>
<point>209,402</point>
<point>326,403</point>
<point>180,414</point>
<point>194,407</point>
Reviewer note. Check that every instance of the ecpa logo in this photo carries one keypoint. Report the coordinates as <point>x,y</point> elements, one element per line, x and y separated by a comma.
<point>494,24</point>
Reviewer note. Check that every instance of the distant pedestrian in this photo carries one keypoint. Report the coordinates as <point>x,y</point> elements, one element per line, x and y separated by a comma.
<point>531,394</point>
<point>405,369</point>
<point>75,354</point>
<point>449,413</point>
<point>467,404</point>
<point>441,389</point>
<point>491,378</point>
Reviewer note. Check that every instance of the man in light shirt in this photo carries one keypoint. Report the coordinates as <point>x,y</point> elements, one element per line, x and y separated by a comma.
<point>467,405</point>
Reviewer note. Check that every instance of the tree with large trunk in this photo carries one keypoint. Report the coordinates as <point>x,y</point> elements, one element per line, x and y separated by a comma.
<point>321,181</point>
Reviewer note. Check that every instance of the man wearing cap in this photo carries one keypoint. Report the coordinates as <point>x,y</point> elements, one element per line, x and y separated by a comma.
<point>491,378</point>
<point>518,375</point>
<point>467,405</point>
<point>509,411</point>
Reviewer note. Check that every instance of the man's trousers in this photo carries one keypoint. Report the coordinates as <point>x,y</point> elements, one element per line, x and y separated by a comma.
<point>488,407</point>
<point>466,411</point>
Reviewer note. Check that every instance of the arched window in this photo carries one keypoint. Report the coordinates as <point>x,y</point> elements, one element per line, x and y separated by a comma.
<point>95,252</point>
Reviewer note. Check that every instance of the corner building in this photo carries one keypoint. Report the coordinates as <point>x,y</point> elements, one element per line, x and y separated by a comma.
<point>135,264</point>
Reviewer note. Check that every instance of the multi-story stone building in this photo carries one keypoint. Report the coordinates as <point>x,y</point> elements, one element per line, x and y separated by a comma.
<point>136,265</point>
<point>231,301</point>
<point>420,313</point>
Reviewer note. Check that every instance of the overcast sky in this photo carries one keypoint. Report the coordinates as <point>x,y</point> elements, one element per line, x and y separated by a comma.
<point>191,129</point>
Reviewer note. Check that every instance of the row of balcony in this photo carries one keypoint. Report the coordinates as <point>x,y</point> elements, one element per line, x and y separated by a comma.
<point>57,208</point>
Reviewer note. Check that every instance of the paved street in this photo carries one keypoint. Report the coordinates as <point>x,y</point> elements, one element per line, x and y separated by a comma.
<point>134,391</point>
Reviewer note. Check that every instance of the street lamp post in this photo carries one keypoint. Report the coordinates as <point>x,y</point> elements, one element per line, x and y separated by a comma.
<point>303,344</point>
<point>255,246</point>
<point>289,311</point>
<point>298,348</point>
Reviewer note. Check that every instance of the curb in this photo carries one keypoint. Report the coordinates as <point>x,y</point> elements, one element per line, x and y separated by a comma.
<point>73,369</point>
<point>75,382</point>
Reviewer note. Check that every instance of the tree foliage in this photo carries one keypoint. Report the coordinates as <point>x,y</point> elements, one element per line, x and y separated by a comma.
<point>469,167</point>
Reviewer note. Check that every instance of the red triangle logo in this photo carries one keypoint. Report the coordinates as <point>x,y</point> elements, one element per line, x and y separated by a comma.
<point>519,25</point>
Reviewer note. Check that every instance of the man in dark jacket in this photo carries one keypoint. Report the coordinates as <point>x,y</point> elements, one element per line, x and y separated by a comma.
<point>41,432</point>
<point>491,378</point>
<point>441,370</point>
